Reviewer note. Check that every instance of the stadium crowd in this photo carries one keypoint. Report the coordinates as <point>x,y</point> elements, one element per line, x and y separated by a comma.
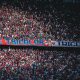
<point>17,64</point>
<point>19,24</point>
<point>37,22</point>
<point>29,64</point>
<point>34,21</point>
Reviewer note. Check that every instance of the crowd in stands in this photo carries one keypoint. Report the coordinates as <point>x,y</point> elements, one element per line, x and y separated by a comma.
<point>29,64</point>
<point>46,22</point>
<point>43,21</point>
<point>17,64</point>
<point>19,24</point>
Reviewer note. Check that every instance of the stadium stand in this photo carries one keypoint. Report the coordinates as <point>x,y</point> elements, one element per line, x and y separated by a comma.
<point>38,22</point>
<point>39,19</point>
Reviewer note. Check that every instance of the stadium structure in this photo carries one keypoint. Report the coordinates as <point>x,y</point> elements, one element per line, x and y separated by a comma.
<point>39,40</point>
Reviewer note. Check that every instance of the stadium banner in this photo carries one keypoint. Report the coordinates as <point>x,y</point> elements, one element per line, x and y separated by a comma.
<point>34,42</point>
<point>38,42</point>
<point>68,44</point>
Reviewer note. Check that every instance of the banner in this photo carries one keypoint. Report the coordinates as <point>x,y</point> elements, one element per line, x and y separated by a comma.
<point>68,44</point>
<point>35,42</point>
<point>38,42</point>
